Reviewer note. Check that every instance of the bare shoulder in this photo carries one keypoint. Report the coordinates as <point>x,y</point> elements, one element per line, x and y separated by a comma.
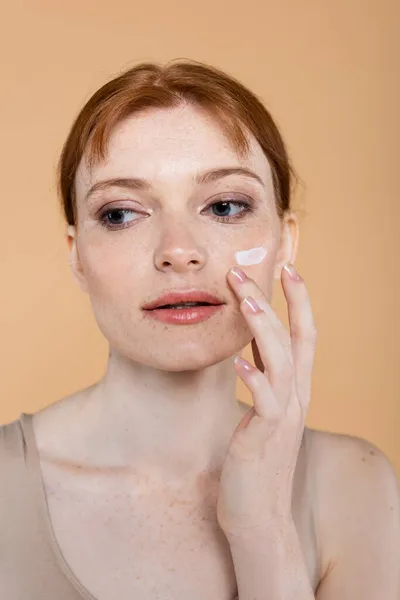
<point>357,496</point>
<point>344,452</point>
<point>347,467</point>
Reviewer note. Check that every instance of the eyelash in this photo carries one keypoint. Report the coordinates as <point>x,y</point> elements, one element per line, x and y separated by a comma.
<point>248,208</point>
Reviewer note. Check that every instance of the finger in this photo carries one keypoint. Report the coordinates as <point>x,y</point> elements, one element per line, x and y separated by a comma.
<point>248,287</point>
<point>265,402</point>
<point>271,351</point>
<point>302,331</point>
<point>271,337</point>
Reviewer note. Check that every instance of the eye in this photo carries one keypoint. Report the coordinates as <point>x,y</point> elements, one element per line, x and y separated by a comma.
<point>114,218</point>
<point>116,214</point>
<point>223,208</point>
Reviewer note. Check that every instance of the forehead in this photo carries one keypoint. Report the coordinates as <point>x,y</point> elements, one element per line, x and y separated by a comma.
<point>170,144</point>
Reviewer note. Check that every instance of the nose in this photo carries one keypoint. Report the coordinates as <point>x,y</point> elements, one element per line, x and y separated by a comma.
<point>179,250</point>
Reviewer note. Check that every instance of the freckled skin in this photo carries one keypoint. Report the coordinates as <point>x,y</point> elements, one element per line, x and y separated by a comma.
<point>123,269</point>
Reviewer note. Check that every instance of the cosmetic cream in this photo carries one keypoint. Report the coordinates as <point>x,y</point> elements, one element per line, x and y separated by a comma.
<point>251,257</point>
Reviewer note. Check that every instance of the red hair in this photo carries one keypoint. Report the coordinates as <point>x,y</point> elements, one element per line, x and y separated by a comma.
<point>149,85</point>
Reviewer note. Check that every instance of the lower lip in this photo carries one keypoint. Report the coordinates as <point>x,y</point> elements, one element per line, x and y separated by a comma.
<point>184,316</point>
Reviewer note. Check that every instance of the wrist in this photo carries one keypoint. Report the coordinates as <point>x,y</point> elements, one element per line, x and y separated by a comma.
<point>269,563</point>
<point>277,527</point>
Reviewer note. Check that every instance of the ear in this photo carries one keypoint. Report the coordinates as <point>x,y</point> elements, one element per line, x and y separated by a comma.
<point>74,261</point>
<point>288,243</point>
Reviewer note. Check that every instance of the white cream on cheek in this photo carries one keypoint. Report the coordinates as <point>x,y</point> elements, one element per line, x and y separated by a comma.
<point>253,256</point>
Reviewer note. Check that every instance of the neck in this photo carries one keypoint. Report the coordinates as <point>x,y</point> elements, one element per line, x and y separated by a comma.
<point>168,426</point>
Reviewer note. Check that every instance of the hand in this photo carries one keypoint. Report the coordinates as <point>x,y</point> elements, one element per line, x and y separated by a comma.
<point>256,482</point>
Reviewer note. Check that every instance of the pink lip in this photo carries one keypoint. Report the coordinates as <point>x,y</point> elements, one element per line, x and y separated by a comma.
<point>180,297</point>
<point>184,316</point>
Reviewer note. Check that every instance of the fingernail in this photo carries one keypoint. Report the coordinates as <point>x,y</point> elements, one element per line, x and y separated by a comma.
<point>243,364</point>
<point>293,274</point>
<point>238,273</point>
<point>252,304</point>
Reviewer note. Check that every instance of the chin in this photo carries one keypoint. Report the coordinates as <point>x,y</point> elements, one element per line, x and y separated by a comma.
<point>180,364</point>
<point>194,357</point>
<point>177,349</point>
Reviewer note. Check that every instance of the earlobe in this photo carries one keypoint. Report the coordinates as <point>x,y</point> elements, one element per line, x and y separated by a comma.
<point>74,261</point>
<point>70,236</point>
<point>288,243</point>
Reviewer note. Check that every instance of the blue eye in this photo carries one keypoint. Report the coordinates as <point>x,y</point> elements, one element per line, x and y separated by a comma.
<point>120,212</point>
<point>223,206</point>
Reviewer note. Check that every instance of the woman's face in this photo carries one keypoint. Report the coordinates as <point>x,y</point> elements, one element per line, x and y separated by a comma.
<point>172,233</point>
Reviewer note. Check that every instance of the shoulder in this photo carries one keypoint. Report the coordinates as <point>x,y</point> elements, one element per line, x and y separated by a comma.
<point>349,469</point>
<point>357,495</point>
<point>13,467</point>
<point>11,441</point>
<point>353,459</point>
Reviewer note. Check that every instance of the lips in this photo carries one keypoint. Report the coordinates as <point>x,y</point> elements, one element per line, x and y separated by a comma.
<point>174,298</point>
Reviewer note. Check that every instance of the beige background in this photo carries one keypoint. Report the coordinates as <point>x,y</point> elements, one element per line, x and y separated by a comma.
<point>329,74</point>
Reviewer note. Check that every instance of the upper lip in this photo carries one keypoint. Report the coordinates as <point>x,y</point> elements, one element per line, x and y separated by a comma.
<point>182,296</point>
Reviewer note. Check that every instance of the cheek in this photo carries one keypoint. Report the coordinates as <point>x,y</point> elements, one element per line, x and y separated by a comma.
<point>109,271</point>
<point>113,281</point>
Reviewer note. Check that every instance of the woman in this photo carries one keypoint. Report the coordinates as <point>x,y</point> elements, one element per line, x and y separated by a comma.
<point>155,482</point>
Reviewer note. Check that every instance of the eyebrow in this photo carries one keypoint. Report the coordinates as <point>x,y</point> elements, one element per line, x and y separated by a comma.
<point>136,183</point>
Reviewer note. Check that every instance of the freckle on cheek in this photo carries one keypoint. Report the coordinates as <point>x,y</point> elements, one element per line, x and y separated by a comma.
<point>253,256</point>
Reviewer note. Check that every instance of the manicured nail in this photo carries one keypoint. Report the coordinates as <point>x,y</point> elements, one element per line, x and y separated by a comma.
<point>252,304</point>
<point>293,274</point>
<point>243,364</point>
<point>238,273</point>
